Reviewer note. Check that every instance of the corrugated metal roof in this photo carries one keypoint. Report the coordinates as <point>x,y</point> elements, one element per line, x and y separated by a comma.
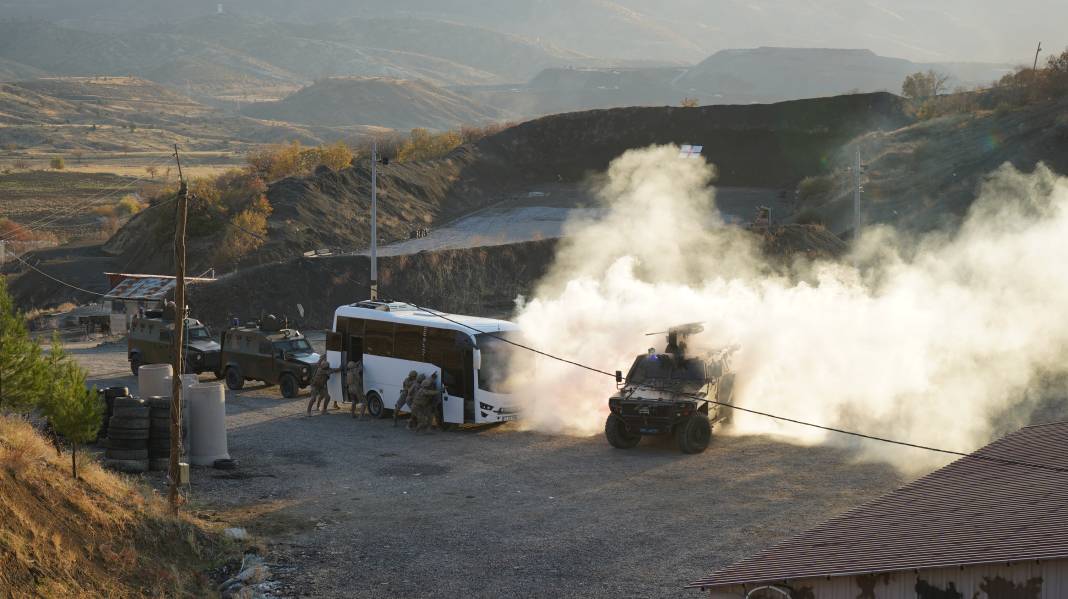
<point>149,288</point>
<point>973,511</point>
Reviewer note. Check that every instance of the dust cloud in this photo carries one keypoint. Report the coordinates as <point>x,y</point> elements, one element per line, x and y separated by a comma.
<point>945,340</point>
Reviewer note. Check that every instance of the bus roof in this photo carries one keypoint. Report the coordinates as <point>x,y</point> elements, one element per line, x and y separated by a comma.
<point>407,314</point>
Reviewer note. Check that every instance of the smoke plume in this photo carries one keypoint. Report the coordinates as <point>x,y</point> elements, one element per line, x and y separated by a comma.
<point>944,340</point>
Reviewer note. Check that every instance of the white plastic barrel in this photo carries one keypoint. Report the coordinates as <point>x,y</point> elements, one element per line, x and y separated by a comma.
<point>207,424</point>
<point>188,380</point>
<point>154,380</point>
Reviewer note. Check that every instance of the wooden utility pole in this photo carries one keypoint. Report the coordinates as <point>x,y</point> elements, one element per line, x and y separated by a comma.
<point>179,333</point>
<point>1035,68</point>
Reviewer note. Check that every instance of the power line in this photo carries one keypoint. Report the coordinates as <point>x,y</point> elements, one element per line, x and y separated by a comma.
<point>766,414</point>
<point>92,201</point>
<point>64,283</point>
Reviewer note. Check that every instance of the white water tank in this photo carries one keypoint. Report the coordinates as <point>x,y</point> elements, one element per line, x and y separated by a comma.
<point>207,424</point>
<point>154,380</point>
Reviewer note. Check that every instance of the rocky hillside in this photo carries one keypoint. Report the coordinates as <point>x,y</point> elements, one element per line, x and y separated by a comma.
<point>380,101</point>
<point>926,176</point>
<point>761,146</point>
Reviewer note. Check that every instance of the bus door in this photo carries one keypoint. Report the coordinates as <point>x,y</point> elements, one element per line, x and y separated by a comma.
<point>353,353</point>
<point>453,406</point>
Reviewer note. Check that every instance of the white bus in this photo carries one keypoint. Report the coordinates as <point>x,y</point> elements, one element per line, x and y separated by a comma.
<point>394,338</point>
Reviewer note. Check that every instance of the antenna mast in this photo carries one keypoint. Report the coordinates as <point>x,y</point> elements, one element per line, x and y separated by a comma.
<point>374,221</point>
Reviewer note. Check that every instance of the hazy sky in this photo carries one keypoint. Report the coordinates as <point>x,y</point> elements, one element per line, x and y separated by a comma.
<point>679,30</point>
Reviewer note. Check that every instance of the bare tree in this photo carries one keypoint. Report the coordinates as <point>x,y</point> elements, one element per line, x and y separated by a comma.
<point>923,85</point>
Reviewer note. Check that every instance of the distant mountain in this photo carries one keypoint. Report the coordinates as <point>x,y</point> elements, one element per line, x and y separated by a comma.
<point>376,101</point>
<point>674,30</point>
<point>775,74</point>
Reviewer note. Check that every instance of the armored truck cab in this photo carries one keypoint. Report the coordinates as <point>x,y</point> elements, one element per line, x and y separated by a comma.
<point>151,341</point>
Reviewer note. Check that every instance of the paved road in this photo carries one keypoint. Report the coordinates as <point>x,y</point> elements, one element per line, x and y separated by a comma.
<point>350,508</point>
<point>541,214</point>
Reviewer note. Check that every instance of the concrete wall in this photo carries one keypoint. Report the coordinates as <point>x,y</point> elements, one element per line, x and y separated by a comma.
<point>1023,580</point>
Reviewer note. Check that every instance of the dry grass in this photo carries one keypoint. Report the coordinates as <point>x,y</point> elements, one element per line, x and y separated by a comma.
<point>101,536</point>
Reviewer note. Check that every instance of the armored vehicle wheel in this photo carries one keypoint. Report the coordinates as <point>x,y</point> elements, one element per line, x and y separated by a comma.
<point>693,434</point>
<point>375,407</point>
<point>234,380</point>
<point>615,429</point>
<point>135,365</point>
<point>289,386</point>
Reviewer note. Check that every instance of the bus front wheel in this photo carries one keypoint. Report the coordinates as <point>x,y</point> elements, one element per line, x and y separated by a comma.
<point>375,407</point>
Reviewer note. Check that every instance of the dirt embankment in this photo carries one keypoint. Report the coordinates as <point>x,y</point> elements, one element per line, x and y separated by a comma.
<point>100,536</point>
<point>484,280</point>
<point>757,145</point>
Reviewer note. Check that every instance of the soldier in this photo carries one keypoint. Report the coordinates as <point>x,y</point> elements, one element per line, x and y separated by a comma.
<point>423,402</point>
<point>354,382</point>
<point>407,391</point>
<point>318,385</point>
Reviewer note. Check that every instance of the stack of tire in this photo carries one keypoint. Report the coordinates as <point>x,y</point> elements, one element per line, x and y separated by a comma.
<point>159,438</point>
<point>109,399</point>
<point>128,431</point>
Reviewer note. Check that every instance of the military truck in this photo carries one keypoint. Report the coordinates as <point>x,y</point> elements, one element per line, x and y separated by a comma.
<point>268,351</point>
<point>667,393</point>
<point>151,341</point>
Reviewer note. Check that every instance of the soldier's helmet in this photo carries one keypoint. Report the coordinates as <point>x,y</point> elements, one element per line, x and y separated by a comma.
<point>412,374</point>
<point>352,365</point>
<point>428,383</point>
<point>433,375</point>
<point>420,378</point>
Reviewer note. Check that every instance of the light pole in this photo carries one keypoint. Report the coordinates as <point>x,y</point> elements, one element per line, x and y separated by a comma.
<point>374,218</point>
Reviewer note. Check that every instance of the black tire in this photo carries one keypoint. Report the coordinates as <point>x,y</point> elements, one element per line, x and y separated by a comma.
<point>693,434</point>
<point>110,443</point>
<point>135,365</point>
<point>224,464</point>
<point>143,412</point>
<point>160,414</point>
<point>126,454</point>
<point>234,380</point>
<point>289,386</point>
<point>159,403</point>
<point>129,423</point>
<point>615,430</point>
<point>127,402</point>
<point>113,392</point>
<point>159,443</point>
<point>131,466</point>
<point>219,374</point>
<point>159,464</point>
<point>375,407</point>
<point>122,433</point>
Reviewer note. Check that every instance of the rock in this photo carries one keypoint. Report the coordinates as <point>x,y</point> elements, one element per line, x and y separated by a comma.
<point>237,534</point>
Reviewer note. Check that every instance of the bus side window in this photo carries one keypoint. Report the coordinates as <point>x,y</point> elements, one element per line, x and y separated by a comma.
<point>408,344</point>
<point>379,338</point>
<point>334,341</point>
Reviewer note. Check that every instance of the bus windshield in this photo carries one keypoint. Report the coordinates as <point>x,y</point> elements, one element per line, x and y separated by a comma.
<point>502,362</point>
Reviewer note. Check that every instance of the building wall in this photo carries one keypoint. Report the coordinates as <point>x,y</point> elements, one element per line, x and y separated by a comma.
<point>1023,580</point>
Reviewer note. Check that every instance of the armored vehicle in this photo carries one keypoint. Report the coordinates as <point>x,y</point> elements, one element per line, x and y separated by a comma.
<point>668,394</point>
<point>151,341</point>
<point>268,351</point>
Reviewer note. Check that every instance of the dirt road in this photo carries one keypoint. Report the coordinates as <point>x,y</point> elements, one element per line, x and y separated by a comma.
<point>359,508</point>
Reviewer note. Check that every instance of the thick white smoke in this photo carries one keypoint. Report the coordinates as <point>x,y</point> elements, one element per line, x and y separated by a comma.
<point>937,341</point>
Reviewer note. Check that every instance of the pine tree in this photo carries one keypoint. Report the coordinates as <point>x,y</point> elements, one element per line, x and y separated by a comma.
<point>73,410</point>
<point>24,375</point>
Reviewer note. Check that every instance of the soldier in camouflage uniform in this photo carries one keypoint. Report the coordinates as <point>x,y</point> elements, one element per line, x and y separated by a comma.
<point>318,385</point>
<point>407,392</point>
<point>354,383</point>
<point>423,403</point>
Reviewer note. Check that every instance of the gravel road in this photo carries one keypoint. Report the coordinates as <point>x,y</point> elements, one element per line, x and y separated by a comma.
<point>361,509</point>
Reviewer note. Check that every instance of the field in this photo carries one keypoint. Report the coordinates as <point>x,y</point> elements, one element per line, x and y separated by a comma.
<point>359,508</point>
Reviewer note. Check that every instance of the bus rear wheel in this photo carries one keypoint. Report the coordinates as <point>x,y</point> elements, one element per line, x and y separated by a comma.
<point>375,407</point>
<point>615,430</point>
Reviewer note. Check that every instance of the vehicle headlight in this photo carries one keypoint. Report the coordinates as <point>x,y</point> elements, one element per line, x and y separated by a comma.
<point>303,371</point>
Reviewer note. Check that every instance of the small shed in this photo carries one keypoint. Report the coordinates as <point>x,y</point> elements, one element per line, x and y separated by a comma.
<point>131,292</point>
<point>992,525</point>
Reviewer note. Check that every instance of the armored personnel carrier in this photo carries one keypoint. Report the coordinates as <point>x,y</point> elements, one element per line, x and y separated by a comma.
<point>668,393</point>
